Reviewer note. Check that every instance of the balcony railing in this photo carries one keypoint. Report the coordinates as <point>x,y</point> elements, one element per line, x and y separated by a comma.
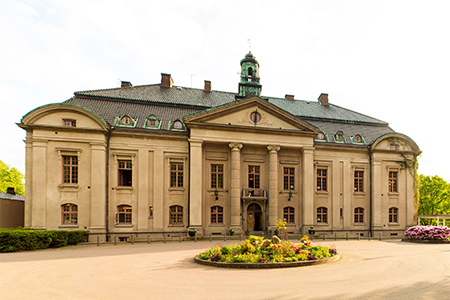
<point>254,194</point>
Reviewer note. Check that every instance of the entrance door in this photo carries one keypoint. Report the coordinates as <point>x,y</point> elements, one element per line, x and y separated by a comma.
<point>254,217</point>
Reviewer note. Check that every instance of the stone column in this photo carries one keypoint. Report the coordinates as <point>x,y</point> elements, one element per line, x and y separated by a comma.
<point>308,179</point>
<point>39,185</point>
<point>273,185</point>
<point>195,187</point>
<point>235,189</point>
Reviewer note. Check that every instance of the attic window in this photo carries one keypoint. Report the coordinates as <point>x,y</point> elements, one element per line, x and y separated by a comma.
<point>125,121</point>
<point>69,123</point>
<point>393,147</point>
<point>358,139</point>
<point>255,117</point>
<point>321,137</point>
<point>339,137</point>
<point>177,125</point>
<point>152,122</point>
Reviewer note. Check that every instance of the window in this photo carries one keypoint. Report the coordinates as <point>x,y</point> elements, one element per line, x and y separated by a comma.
<point>69,123</point>
<point>176,215</point>
<point>217,176</point>
<point>289,178</point>
<point>393,215</point>
<point>70,169</point>
<point>339,137</point>
<point>178,125</point>
<point>176,175</point>
<point>152,123</point>
<point>393,147</point>
<point>125,173</point>
<point>359,215</point>
<point>322,215</point>
<point>124,214</point>
<point>253,177</point>
<point>217,215</point>
<point>322,180</point>
<point>288,215</point>
<point>393,181</point>
<point>69,214</point>
<point>359,181</point>
<point>255,117</point>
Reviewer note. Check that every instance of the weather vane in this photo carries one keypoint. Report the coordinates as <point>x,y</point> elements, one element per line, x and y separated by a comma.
<point>249,45</point>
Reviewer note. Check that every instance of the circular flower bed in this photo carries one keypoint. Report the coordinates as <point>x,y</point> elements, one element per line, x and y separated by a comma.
<point>428,233</point>
<point>257,252</point>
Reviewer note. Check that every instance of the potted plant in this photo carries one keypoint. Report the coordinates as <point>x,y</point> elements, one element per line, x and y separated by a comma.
<point>230,231</point>
<point>192,231</point>
<point>311,231</point>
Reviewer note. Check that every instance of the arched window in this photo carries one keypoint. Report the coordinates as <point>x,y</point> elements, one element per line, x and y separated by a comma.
<point>176,215</point>
<point>124,214</point>
<point>322,215</point>
<point>289,214</point>
<point>216,215</point>
<point>359,215</point>
<point>177,125</point>
<point>69,214</point>
<point>393,215</point>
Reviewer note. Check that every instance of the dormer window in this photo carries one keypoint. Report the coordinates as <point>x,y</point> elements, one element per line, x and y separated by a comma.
<point>177,125</point>
<point>339,137</point>
<point>358,139</point>
<point>321,137</point>
<point>152,122</point>
<point>125,121</point>
<point>69,123</point>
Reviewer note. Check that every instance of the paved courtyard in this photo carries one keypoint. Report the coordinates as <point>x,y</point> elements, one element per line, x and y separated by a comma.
<point>367,270</point>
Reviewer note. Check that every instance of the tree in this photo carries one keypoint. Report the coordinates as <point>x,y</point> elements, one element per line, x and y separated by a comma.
<point>434,197</point>
<point>11,177</point>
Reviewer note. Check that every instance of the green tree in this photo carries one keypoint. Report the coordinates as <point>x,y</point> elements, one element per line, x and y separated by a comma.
<point>434,197</point>
<point>11,177</point>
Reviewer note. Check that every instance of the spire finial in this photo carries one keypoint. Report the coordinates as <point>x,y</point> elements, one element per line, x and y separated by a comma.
<point>249,45</point>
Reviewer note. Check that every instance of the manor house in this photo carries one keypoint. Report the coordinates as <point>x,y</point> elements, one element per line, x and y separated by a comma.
<point>165,158</point>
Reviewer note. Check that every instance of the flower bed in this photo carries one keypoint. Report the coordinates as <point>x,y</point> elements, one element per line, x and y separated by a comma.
<point>428,233</point>
<point>259,251</point>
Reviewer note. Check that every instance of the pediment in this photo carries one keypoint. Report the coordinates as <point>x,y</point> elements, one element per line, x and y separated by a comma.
<point>241,114</point>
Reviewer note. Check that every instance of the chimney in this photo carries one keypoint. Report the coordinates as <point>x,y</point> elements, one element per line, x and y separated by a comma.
<point>207,86</point>
<point>10,190</point>
<point>166,80</point>
<point>289,97</point>
<point>126,84</point>
<point>323,99</point>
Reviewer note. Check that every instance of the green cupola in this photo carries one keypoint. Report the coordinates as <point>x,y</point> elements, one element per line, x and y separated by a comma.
<point>249,85</point>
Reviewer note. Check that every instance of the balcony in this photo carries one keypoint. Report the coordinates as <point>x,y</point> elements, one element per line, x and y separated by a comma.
<point>258,194</point>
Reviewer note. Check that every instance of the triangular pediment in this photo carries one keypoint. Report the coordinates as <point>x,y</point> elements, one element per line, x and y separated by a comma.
<point>242,114</point>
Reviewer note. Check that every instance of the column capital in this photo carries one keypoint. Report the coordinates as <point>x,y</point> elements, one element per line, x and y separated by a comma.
<point>273,148</point>
<point>235,146</point>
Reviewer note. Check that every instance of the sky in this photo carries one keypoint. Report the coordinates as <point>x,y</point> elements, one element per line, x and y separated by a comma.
<point>386,59</point>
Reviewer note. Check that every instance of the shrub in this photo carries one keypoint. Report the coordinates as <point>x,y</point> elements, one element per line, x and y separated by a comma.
<point>21,239</point>
<point>428,232</point>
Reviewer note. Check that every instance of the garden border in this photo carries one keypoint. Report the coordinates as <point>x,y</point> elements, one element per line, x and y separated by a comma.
<point>242,265</point>
<point>426,241</point>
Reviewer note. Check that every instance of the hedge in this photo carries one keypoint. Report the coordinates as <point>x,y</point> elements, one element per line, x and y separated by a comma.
<point>21,239</point>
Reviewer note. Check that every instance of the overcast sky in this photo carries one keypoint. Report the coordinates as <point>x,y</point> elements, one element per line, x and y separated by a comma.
<point>386,59</point>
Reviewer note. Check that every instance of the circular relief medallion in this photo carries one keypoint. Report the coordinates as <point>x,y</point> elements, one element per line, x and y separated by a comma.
<point>255,117</point>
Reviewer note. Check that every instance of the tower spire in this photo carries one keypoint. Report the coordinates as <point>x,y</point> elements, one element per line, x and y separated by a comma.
<point>249,85</point>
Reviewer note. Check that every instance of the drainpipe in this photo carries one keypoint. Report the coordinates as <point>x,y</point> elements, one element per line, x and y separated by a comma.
<point>370,196</point>
<point>107,183</point>
<point>189,179</point>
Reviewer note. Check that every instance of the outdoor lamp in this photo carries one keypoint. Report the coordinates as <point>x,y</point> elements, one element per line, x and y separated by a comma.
<point>216,193</point>
<point>290,195</point>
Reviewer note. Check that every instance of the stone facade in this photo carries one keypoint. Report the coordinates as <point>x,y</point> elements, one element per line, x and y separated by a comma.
<point>162,158</point>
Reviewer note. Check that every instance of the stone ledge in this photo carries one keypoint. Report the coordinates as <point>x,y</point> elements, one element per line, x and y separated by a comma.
<point>293,264</point>
<point>426,241</point>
